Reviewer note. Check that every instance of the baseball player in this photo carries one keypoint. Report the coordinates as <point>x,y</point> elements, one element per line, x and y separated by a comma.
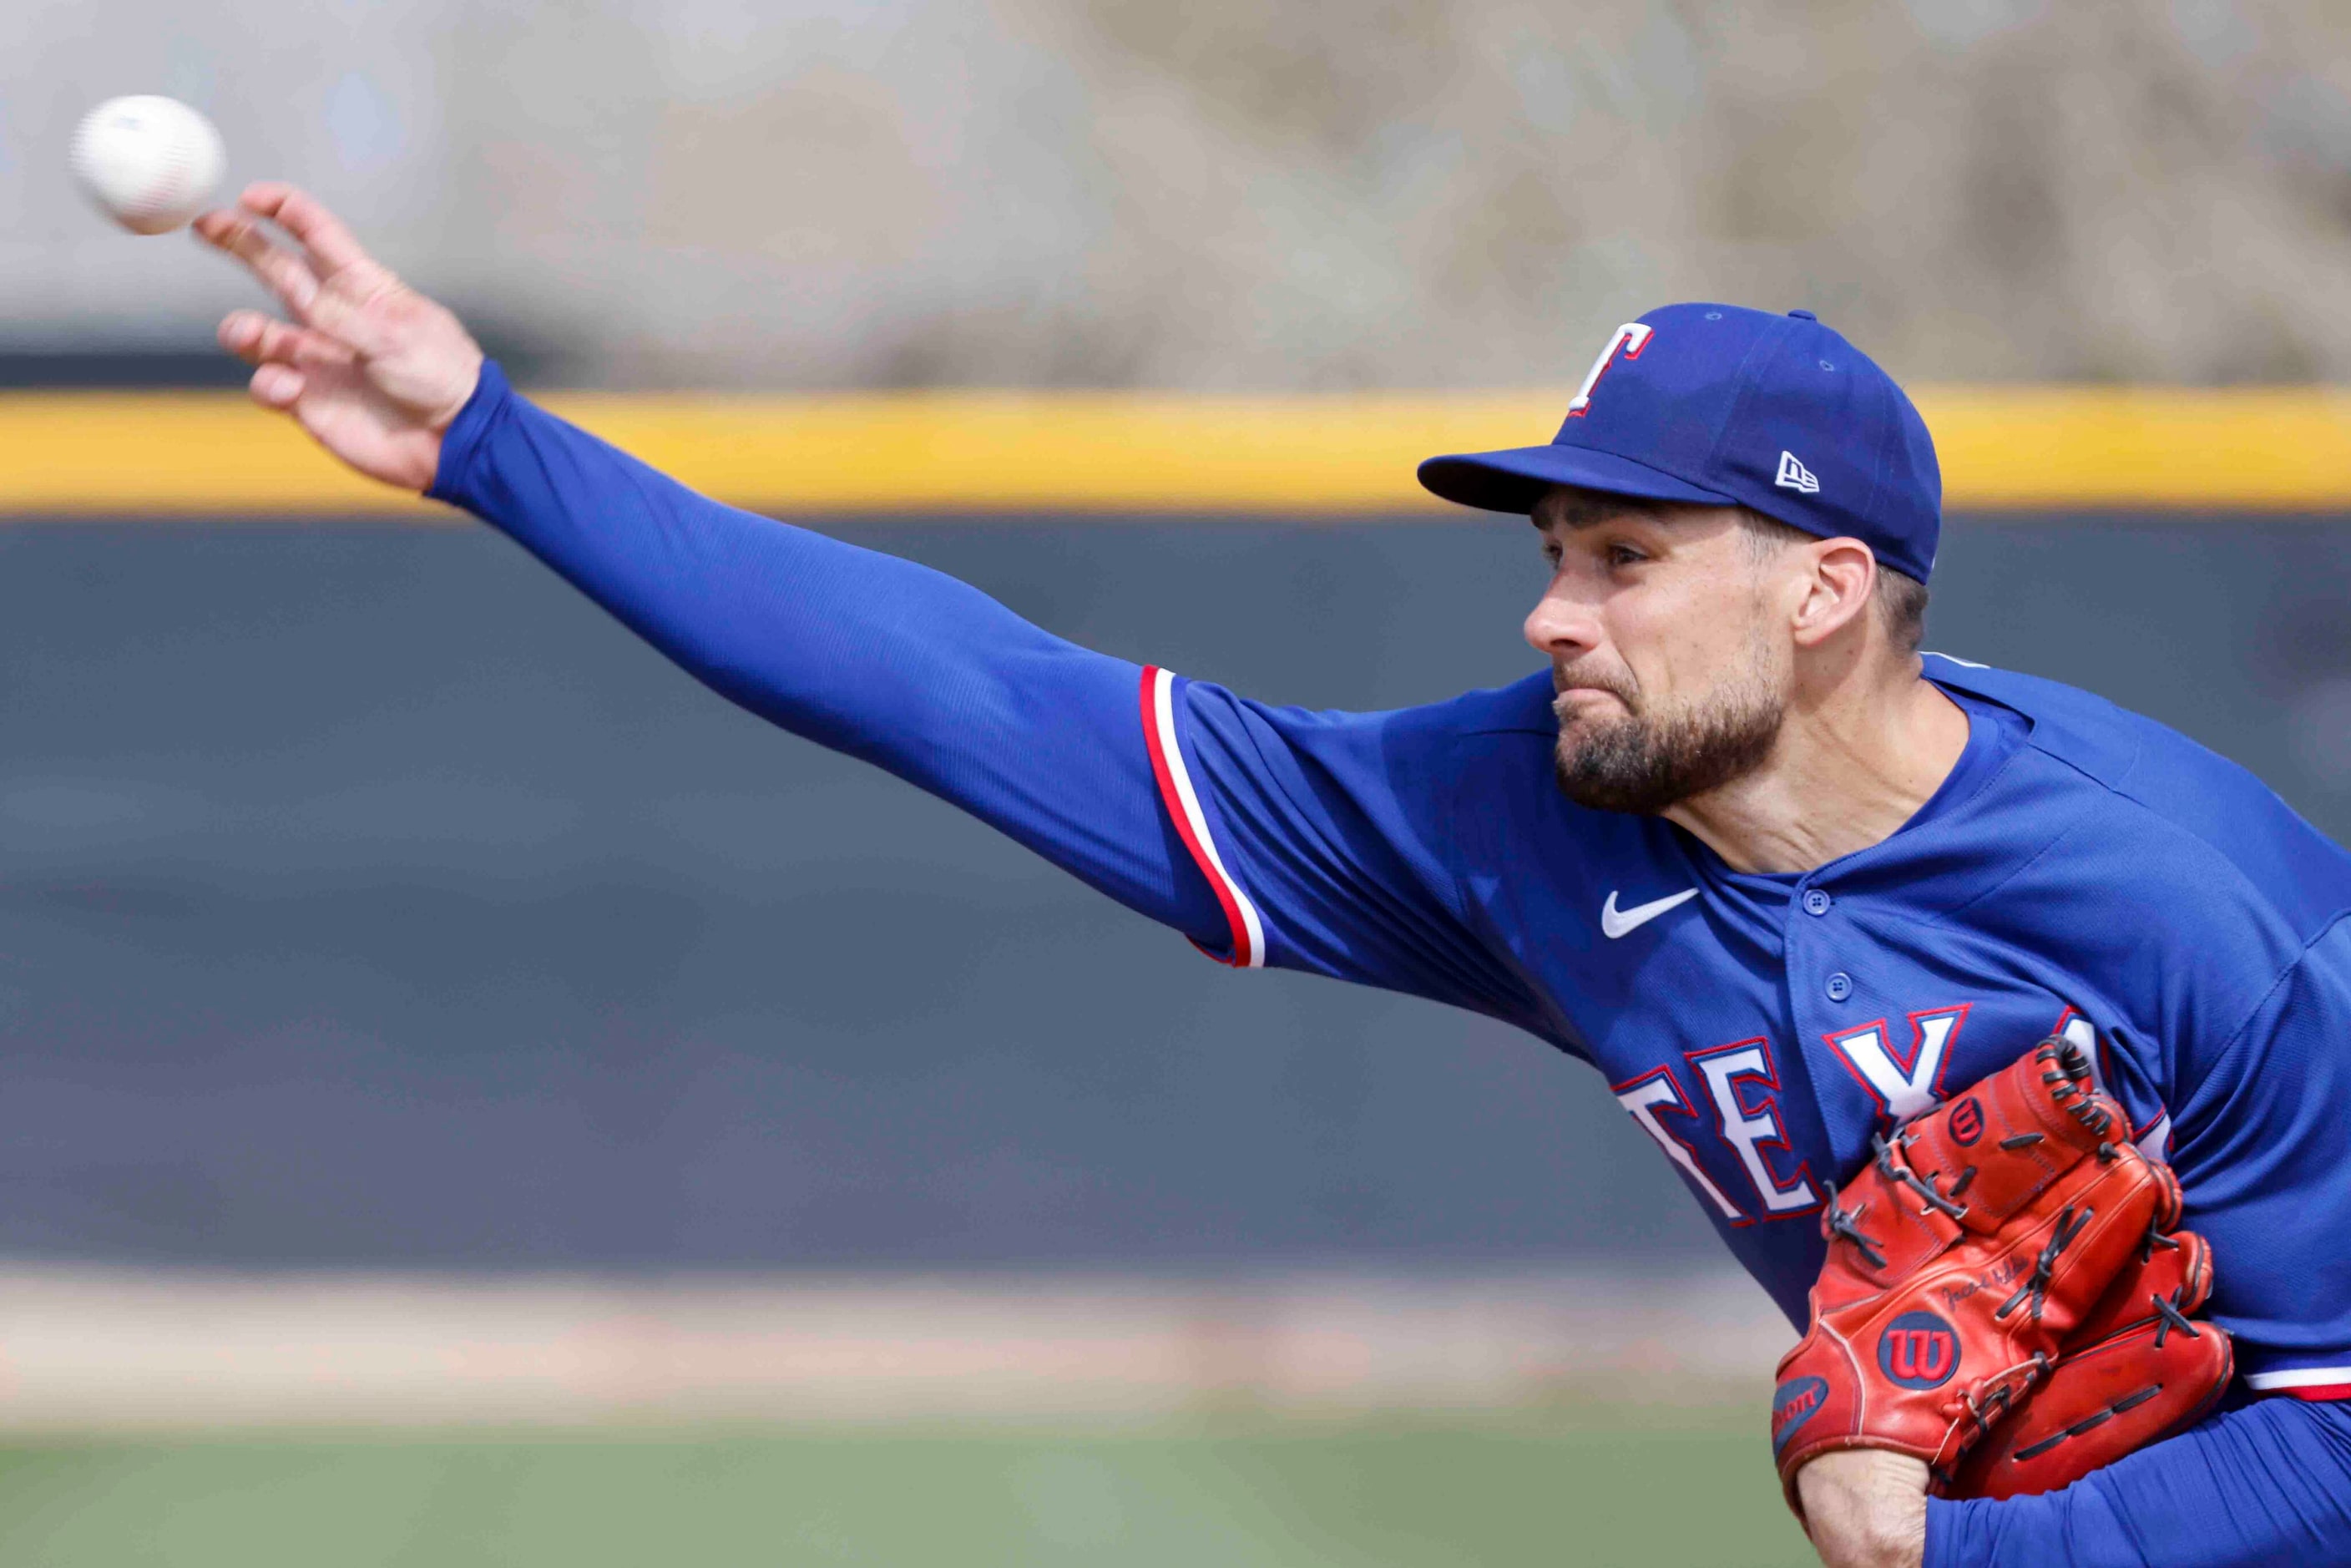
<point>1809,901</point>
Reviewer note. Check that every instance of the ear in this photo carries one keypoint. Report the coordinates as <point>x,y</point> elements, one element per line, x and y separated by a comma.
<point>1840,584</point>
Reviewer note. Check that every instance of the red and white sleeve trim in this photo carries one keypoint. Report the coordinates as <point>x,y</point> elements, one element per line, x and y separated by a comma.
<point>2320,1382</point>
<point>1183,804</point>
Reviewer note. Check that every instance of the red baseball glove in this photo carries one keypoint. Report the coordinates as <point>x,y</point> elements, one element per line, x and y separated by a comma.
<point>1988,1237</point>
<point>2134,1370</point>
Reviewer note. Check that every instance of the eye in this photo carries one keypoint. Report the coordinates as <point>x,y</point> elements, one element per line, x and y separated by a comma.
<point>1621,554</point>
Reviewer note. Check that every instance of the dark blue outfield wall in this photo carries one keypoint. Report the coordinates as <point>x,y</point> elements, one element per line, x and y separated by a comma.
<point>366,898</point>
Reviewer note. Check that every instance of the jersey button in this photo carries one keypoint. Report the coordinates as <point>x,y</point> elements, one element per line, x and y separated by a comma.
<point>1815,902</point>
<point>1840,986</point>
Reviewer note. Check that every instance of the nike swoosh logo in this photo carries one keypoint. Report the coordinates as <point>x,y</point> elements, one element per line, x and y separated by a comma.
<point>1615,922</point>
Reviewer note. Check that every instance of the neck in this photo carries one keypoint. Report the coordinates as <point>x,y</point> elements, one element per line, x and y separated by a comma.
<point>1853,762</point>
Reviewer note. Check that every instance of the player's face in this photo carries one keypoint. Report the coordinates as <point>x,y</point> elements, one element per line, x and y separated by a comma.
<point>1659,629</point>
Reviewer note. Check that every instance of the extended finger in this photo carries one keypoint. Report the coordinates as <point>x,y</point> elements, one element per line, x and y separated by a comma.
<point>333,246</point>
<point>281,272</point>
<point>260,340</point>
<point>275,386</point>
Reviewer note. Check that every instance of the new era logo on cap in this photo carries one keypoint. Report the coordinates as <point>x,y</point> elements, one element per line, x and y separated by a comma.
<point>1794,475</point>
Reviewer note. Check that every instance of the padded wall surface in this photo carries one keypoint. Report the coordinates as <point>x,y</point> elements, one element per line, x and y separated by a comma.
<point>366,898</point>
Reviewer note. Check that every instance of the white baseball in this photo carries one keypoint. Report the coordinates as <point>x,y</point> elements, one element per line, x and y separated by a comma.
<point>151,163</point>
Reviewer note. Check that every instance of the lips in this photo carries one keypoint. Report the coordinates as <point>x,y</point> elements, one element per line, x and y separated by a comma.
<point>1577,685</point>
<point>1573,700</point>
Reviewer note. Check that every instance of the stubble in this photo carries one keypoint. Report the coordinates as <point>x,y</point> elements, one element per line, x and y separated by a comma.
<point>1643,762</point>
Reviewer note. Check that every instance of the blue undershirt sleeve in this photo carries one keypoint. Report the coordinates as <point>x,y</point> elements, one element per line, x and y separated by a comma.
<point>863,653</point>
<point>2263,1486</point>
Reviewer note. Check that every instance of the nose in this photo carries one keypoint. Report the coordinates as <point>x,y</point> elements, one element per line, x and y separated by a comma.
<point>1560,627</point>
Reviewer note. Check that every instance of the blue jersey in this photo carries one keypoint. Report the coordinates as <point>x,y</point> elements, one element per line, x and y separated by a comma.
<point>2081,871</point>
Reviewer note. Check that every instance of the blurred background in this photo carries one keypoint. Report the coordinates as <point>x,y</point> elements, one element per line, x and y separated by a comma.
<point>469,1095</point>
<point>1218,194</point>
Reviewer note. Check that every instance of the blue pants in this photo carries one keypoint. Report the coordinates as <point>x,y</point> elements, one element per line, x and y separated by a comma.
<point>2264,1483</point>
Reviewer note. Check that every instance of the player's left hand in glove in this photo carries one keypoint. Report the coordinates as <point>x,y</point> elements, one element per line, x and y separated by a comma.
<point>1961,1260</point>
<point>2138,1369</point>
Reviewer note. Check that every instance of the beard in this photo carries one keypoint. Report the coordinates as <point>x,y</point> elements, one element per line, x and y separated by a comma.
<point>1643,763</point>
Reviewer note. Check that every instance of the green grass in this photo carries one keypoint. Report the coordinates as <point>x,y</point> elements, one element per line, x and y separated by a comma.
<point>1554,1489</point>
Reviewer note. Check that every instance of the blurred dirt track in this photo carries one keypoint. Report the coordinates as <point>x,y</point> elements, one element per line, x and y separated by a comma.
<point>84,1351</point>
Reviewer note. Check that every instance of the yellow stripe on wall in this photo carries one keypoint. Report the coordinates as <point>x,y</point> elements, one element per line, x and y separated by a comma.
<point>2250,448</point>
<point>212,454</point>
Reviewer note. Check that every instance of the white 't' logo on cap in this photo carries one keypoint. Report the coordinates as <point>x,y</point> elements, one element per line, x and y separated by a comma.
<point>1632,337</point>
<point>1794,475</point>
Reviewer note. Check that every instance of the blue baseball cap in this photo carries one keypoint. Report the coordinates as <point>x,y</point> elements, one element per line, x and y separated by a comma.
<point>1716,405</point>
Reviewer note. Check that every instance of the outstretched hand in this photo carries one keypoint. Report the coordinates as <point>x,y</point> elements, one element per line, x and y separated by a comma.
<point>374,370</point>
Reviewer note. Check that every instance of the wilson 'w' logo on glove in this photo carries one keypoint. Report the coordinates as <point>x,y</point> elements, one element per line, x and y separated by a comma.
<point>2003,1297</point>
